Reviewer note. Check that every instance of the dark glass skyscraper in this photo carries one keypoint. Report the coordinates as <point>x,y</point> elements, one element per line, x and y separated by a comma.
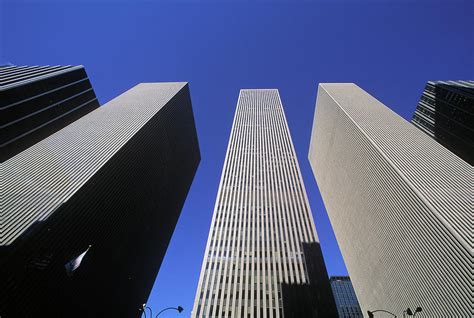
<point>37,101</point>
<point>87,213</point>
<point>345,297</point>
<point>446,113</point>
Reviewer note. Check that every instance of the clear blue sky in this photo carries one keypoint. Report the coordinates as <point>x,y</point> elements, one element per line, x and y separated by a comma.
<point>389,48</point>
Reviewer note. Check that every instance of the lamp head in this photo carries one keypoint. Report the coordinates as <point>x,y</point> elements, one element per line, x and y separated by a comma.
<point>409,312</point>
<point>418,309</point>
<point>371,314</point>
<point>180,309</point>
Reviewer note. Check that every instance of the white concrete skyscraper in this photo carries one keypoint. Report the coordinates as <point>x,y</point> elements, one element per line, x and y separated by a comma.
<point>401,206</point>
<point>262,229</point>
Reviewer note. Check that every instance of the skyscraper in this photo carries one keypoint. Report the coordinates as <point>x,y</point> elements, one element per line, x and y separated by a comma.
<point>87,213</point>
<point>400,205</point>
<point>254,260</point>
<point>37,101</point>
<point>345,297</point>
<point>446,113</point>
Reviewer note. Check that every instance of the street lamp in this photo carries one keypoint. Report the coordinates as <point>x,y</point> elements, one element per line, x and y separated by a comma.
<point>144,307</point>
<point>371,313</point>
<point>410,313</point>
<point>179,309</point>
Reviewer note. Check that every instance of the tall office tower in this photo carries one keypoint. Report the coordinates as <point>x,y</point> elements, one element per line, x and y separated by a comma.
<point>345,297</point>
<point>446,113</point>
<point>400,205</point>
<point>261,219</point>
<point>37,101</point>
<point>87,213</point>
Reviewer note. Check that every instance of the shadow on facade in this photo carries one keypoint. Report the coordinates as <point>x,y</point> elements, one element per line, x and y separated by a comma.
<point>126,211</point>
<point>313,300</point>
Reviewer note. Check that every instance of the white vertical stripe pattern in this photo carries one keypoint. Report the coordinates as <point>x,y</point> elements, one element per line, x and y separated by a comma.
<point>35,182</point>
<point>261,216</point>
<point>401,205</point>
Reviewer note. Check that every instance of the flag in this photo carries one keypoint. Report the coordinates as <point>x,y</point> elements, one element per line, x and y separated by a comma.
<point>73,264</point>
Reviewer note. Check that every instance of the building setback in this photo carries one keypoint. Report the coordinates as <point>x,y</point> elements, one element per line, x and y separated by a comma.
<point>345,297</point>
<point>446,113</point>
<point>400,205</point>
<point>108,187</point>
<point>37,101</point>
<point>262,228</point>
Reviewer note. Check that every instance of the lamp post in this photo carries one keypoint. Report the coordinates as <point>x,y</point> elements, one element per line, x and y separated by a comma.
<point>179,309</point>
<point>144,308</point>
<point>408,312</point>
<point>371,313</point>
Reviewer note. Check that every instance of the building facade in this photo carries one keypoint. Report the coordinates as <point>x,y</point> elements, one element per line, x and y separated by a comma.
<point>446,113</point>
<point>345,297</point>
<point>89,211</point>
<point>255,255</point>
<point>37,101</point>
<point>400,205</point>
